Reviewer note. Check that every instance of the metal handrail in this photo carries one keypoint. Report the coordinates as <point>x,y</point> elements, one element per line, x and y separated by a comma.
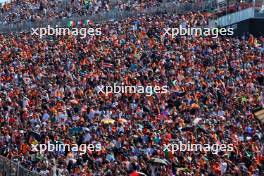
<point>11,168</point>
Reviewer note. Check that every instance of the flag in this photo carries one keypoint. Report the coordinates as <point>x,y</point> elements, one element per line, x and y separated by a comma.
<point>260,115</point>
<point>80,23</point>
<point>167,154</point>
<point>256,43</point>
<point>71,23</point>
<point>88,22</point>
<point>107,65</point>
<point>251,40</point>
<point>134,174</point>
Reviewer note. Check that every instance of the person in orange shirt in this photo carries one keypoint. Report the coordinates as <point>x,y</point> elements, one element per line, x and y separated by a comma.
<point>25,148</point>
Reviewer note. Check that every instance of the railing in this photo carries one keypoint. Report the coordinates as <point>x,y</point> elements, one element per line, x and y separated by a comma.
<point>235,12</point>
<point>168,7</point>
<point>255,11</point>
<point>236,17</point>
<point>10,168</point>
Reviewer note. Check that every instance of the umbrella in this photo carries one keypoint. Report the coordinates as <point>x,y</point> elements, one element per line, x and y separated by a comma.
<point>110,158</point>
<point>108,121</point>
<point>187,128</point>
<point>85,129</point>
<point>122,120</point>
<point>134,136</point>
<point>159,161</point>
<point>35,135</point>
<point>170,52</point>
<point>74,101</point>
<point>141,173</point>
<point>184,169</point>
<point>140,126</point>
<point>76,130</point>
<point>195,106</point>
<point>196,120</point>
<point>222,117</point>
<point>136,173</point>
<point>169,121</point>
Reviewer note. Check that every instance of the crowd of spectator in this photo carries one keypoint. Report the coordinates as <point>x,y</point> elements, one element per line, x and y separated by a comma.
<point>34,10</point>
<point>49,92</point>
<point>18,11</point>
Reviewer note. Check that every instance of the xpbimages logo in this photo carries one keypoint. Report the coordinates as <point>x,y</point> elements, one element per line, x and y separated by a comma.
<point>191,31</point>
<point>60,147</point>
<point>58,31</point>
<point>116,89</point>
<point>214,148</point>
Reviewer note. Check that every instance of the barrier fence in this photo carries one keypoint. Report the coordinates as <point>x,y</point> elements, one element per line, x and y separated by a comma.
<point>10,168</point>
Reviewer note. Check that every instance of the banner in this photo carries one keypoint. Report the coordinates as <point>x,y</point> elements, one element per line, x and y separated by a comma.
<point>260,115</point>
